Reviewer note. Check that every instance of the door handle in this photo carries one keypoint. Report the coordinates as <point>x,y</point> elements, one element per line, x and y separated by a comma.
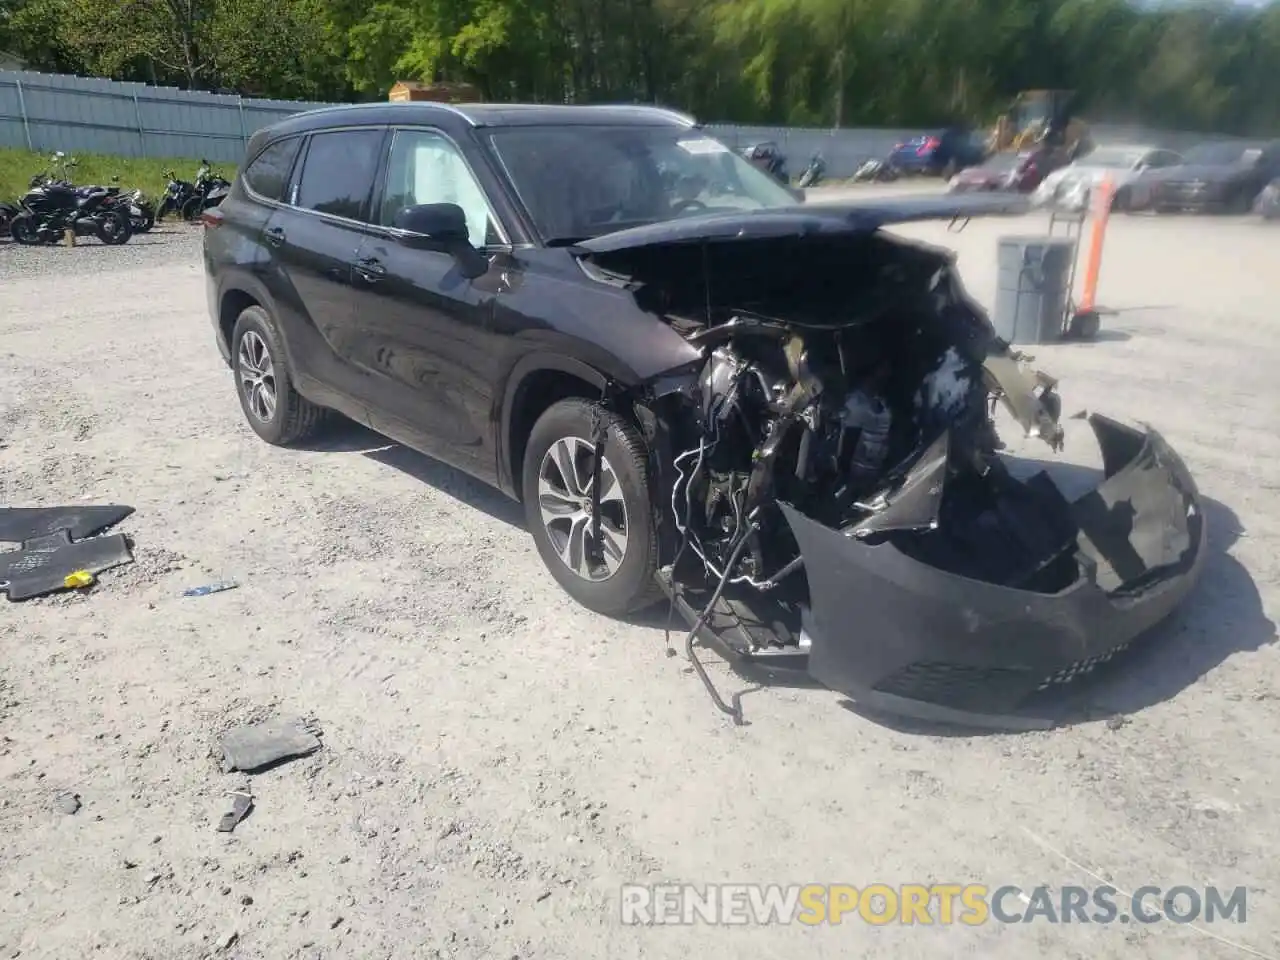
<point>274,236</point>
<point>371,269</point>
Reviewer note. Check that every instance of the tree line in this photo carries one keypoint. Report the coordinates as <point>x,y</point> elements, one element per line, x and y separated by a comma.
<point>1206,66</point>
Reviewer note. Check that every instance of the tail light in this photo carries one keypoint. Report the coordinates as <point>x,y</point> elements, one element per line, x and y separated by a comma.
<point>211,218</point>
<point>930,143</point>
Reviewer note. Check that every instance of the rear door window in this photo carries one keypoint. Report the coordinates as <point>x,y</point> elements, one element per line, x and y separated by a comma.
<point>338,173</point>
<point>268,175</point>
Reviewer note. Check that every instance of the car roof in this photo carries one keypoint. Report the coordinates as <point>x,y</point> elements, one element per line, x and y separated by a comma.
<point>481,115</point>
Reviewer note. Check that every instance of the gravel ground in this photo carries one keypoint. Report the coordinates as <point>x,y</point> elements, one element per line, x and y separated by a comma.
<point>497,760</point>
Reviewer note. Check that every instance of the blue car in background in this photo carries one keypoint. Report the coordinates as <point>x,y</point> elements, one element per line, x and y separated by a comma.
<point>942,154</point>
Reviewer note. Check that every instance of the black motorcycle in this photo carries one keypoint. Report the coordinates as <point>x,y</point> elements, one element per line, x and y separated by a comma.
<point>768,157</point>
<point>210,190</point>
<point>191,198</point>
<point>7,212</point>
<point>51,207</point>
<point>814,173</point>
<point>176,194</point>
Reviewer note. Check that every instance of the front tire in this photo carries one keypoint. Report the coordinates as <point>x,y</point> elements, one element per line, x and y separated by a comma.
<point>192,209</point>
<point>114,228</point>
<point>556,483</point>
<point>275,410</point>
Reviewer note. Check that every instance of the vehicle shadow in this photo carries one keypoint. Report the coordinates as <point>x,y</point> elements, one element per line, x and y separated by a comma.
<point>347,436</point>
<point>1222,616</point>
<point>1102,336</point>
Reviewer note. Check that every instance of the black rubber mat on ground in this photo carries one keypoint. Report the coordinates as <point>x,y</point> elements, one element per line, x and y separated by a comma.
<point>20,524</point>
<point>56,542</point>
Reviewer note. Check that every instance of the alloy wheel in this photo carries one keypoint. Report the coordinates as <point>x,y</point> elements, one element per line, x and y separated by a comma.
<point>564,503</point>
<point>257,376</point>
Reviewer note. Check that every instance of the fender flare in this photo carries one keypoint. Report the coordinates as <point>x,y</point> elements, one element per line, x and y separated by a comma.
<point>246,283</point>
<point>529,365</point>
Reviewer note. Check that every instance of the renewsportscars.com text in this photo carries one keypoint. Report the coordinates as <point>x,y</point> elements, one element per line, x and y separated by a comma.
<point>969,904</point>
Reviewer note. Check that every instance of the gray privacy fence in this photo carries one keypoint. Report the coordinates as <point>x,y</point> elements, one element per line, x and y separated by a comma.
<point>47,112</point>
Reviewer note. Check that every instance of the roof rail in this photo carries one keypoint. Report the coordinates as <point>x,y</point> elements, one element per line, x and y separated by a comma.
<point>434,104</point>
<point>685,118</point>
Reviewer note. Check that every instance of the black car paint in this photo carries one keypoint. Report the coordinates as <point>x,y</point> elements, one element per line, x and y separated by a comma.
<point>434,327</point>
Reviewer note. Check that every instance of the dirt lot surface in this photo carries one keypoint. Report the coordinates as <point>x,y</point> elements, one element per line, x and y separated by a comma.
<point>497,760</point>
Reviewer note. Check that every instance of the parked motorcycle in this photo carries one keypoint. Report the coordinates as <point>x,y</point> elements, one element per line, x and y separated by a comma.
<point>190,198</point>
<point>7,212</point>
<point>876,171</point>
<point>176,193</point>
<point>53,206</point>
<point>814,172</point>
<point>768,157</point>
<point>139,210</point>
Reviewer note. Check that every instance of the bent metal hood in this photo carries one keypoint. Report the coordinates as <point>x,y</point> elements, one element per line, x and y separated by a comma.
<point>798,222</point>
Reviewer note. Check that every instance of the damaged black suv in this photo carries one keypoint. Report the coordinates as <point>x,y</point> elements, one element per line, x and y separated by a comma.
<point>776,413</point>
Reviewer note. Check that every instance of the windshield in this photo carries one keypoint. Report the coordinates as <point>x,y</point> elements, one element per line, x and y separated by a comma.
<point>579,182</point>
<point>1216,154</point>
<point>1112,159</point>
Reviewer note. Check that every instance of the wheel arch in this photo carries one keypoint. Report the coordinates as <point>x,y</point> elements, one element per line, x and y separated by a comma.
<point>538,381</point>
<point>236,295</point>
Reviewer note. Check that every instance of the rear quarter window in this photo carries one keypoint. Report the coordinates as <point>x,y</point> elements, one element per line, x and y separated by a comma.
<point>268,175</point>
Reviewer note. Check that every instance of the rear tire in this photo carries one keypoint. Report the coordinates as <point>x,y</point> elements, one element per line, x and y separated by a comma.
<point>555,480</point>
<point>276,412</point>
<point>24,230</point>
<point>192,209</point>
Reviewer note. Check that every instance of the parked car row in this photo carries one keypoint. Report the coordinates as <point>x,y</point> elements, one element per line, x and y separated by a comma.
<point>1218,176</point>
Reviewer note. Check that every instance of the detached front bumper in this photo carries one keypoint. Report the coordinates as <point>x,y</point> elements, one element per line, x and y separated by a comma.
<point>897,635</point>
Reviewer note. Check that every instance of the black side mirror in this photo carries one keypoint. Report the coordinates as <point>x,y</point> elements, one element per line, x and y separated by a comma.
<point>441,227</point>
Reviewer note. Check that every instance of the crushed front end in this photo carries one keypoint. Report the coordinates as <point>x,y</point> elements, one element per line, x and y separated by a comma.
<point>908,623</point>
<point>836,494</point>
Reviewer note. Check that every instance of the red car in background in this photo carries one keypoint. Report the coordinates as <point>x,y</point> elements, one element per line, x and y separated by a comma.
<point>1020,172</point>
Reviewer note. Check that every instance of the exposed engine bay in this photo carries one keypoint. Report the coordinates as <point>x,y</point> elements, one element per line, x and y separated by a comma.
<point>834,460</point>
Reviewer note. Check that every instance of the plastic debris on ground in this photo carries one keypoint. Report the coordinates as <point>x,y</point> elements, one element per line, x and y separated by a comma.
<point>256,746</point>
<point>58,549</point>
<point>209,588</point>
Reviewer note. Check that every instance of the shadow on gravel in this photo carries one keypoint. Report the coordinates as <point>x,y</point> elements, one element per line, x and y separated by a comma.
<point>1222,616</point>
<point>346,436</point>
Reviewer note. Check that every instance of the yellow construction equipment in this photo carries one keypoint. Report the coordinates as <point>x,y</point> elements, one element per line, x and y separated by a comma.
<point>1040,117</point>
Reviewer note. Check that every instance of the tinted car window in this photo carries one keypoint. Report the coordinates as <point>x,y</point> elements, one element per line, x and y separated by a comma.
<point>268,175</point>
<point>427,168</point>
<point>1216,154</point>
<point>338,172</point>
